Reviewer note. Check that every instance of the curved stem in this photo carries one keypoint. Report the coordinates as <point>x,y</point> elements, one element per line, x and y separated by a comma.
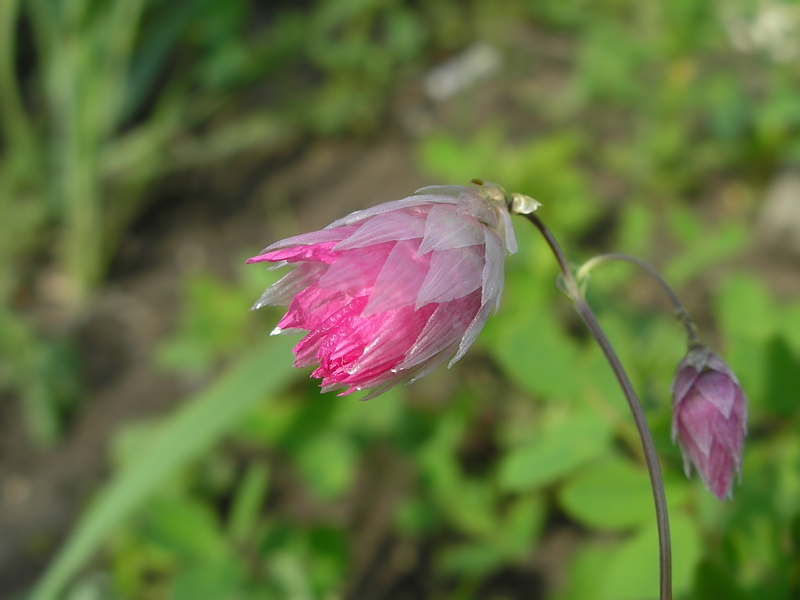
<point>651,457</point>
<point>680,311</point>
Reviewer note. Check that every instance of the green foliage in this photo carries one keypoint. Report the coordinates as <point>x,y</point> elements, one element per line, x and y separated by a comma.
<point>615,495</point>
<point>46,369</point>
<point>628,570</point>
<point>175,443</point>
<point>519,168</point>
<point>213,326</point>
<point>554,452</point>
<point>636,117</point>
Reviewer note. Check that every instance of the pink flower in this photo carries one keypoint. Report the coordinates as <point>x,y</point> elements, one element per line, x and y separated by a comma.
<point>709,419</point>
<point>388,293</point>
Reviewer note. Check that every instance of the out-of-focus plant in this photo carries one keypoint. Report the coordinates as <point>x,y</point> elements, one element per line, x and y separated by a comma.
<point>162,451</point>
<point>642,113</point>
<point>82,136</point>
<point>113,94</point>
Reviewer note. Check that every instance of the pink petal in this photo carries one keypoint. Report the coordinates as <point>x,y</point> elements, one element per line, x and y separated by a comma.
<point>695,418</point>
<point>313,237</point>
<point>445,229</point>
<point>360,335</point>
<point>379,376</point>
<point>389,227</point>
<point>728,434</point>
<point>318,253</point>
<point>445,327</point>
<point>312,307</point>
<point>341,349</point>
<point>340,368</point>
<point>492,277</point>
<point>400,278</point>
<point>442,190</point>
<point>472,204</point>
<point>687,461</point>
<point>685,378</point>
<point>717,364</point>
<point>431,363</point>
<point>380,389</point>
<point>356,269</point>
<point>717,474</point>
<point>372,346</point>
<point>471,333</point>
<point>452,274</point>
<point>283,290</point>
<point>508,231</point>
<point>412,201</point>
<point>337,324</point>
<point>408,377</point>
<point>718,389</point>
<point>393,340</point>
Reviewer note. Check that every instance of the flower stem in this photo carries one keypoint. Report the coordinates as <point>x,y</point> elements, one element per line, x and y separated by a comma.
<point>680,311</point>
<point>651,458</point>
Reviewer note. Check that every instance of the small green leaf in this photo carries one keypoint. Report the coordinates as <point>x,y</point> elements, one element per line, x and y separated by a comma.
<point>537,353</point>
<point>632,572</point>
<point>783,378</point>
<point>329,557</point>
<point>521,525</point>
<point>291,574</point>
<point>471,559</point>
<point>749,359</point>
<point>684,224</point>
<point>470,507</point>
<point>746,309</point>
<point>614,495</point>
<point>372,419</point>
<point>636,228</point>
<point>248,500</point>
<point>713,582</point>
<point>416,517</point>
<point>556,452</point>
<point>585,571</point>
<point>184,527</point>
<point>699,256</point>
<point>790,325</point>
<point>213,580</point>
<point>328,464</point>
<point>213,324</point>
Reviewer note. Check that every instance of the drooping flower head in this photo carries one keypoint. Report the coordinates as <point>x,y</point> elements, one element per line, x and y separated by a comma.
<point>388,293</point>
<point>709,419</point>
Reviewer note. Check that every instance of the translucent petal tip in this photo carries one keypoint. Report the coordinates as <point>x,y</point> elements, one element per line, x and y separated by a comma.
<point>523,205</point>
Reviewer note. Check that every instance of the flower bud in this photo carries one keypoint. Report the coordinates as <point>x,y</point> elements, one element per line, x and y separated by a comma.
<point>388,293</point>
<point>709,419</point>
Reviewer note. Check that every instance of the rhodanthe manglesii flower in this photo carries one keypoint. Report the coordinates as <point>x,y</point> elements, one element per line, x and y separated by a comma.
<point>709,419</point>
<point>388,293</point>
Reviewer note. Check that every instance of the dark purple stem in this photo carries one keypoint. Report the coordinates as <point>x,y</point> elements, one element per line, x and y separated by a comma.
<point>651,457</point>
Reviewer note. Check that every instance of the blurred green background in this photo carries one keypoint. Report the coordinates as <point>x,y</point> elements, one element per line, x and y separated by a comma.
<point>155,443</point>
